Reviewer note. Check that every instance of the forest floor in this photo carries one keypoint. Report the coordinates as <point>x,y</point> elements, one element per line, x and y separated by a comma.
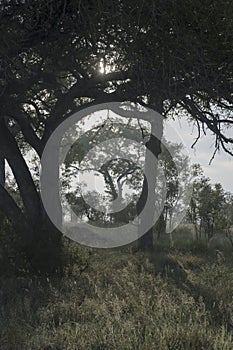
<point>178,298</point>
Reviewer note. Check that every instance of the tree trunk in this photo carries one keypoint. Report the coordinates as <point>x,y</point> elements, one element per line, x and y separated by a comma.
<point>2,171</point>
<point>41,241</point>
<point>27,189</point>
<point>11,209</point>
<point>196,231</point>
<point>148,196</point>
<point>45,250</point>
<point>160,226</point>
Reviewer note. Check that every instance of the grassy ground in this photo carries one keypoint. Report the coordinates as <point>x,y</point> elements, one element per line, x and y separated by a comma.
<point>179,298</point>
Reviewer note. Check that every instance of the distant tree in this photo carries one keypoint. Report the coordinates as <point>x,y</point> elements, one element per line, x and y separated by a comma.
<point>228,211</point>
<point>117,174</point>
<point>207,210</point>
<point>179,175</point>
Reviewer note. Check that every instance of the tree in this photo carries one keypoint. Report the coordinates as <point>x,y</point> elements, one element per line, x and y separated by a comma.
<point>60,56</point>
<point>207,209</point>
<point>117,174</point>
<point>228,211</point>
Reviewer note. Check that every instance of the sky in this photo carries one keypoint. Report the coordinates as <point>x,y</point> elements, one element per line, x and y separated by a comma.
<point>221,168</point>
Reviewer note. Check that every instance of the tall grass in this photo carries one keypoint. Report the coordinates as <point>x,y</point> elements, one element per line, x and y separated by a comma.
<point>117,300</point>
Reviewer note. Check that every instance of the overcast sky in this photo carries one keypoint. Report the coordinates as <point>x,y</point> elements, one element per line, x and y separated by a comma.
<point>221,168</point>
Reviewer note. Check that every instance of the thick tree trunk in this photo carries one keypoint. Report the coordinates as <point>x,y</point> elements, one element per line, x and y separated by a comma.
<point>9,150</point>
<point>11,209</point>
<point>2,171</point>
<point>41,245</point>
<point>148,196</point>
<point>45,251</point>
<point>41,241</point>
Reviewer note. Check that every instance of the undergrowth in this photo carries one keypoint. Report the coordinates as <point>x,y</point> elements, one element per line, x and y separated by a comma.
<point>176,298</point>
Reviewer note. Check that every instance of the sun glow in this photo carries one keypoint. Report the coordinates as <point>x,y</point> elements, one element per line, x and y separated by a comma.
<point>105,68</point>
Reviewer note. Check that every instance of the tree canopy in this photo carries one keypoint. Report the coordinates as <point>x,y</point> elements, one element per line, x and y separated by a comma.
<point>60,56</point>
<point>162,53</point>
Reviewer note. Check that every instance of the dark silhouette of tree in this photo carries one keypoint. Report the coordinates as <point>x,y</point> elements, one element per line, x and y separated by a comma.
<point>167,55</point>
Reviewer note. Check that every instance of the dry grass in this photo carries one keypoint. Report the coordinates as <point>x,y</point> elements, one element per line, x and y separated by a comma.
<point>116,300</point>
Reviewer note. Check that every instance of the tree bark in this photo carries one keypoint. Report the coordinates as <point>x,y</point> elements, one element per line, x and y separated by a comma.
<point>160,226</point>
<point>28,192</point>
<point>41,241</point>
<point>11,209</point>
<point>148,196</point>
<point>2,172</point>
